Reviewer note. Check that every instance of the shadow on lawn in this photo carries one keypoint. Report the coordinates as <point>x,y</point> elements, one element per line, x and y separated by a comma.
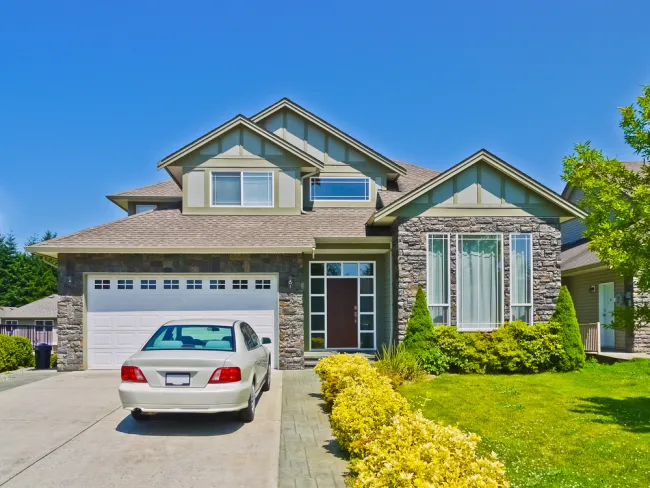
<point>633,413</point>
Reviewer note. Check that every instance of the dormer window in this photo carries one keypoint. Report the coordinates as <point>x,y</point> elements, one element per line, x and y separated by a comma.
<point>242,189</point>
<point>339,189</point>
<point>144,208</point>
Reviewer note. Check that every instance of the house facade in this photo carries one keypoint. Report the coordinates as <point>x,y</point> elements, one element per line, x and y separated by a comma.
<point>36,320</point>
<point>315,239</point>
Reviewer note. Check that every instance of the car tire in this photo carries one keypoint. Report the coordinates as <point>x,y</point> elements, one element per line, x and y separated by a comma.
<point>138,416</point>
<point>248,413</point>
<point>267,381</point>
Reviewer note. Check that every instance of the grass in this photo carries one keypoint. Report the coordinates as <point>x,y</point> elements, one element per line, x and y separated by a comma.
<point>589,428</point>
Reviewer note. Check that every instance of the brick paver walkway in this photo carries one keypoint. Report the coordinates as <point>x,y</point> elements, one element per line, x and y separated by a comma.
<point>309,455</point>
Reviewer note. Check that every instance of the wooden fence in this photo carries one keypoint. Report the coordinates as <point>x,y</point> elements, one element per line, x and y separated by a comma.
<point>36,334</point>
<point>591,337</point>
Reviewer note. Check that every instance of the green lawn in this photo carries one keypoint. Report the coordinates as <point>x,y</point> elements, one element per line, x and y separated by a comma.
<point>584,429</point>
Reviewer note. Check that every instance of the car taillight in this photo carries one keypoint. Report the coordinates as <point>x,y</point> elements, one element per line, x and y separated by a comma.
<point>133,374</point>
<point>225,375</point>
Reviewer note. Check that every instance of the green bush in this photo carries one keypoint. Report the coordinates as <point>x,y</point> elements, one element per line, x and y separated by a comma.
<point>8,353</point>
<point>24,352</point>
<point>419,327</point>
<point>398,364</point>
<point>565,319</point>
<point>53,360</point>
<point>434,361</point>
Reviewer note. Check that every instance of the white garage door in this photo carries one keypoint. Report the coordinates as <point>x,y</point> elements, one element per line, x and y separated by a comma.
<point>124,310</point>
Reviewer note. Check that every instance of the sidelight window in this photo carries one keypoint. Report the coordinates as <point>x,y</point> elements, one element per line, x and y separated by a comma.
<point>438,277</point>
<point>521,277</point>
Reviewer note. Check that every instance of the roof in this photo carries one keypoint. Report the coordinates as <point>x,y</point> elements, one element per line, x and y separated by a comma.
<point>486,157</point>
<point>4,310</point>
<point>414,177</point>
<point>45,308</point>
<point>173,231</point>
<point>578,257</point>
<point>164,189</point>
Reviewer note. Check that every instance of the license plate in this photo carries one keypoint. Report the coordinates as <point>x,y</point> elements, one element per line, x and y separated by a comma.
<point>177,379</point>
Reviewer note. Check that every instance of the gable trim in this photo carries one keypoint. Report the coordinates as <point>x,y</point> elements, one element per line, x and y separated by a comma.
<point>327,127</point>
<point>480,156</point>
<point>236,121</point>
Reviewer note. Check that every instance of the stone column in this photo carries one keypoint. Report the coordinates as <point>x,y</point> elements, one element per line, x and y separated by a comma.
<point>641,341</point>
<point>70,333</point>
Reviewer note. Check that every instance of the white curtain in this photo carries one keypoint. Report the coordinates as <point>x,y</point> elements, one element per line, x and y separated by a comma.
<point>521,293</point>
<point>480,282</point>
<point>437,293</point>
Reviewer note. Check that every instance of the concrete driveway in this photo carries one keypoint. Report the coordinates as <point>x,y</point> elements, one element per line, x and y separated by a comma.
<point>69,430</point>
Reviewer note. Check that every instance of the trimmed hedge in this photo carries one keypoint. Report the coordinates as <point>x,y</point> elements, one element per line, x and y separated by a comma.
<point>15,352</point>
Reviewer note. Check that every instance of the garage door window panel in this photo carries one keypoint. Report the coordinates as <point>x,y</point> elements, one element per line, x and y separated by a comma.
<point>102,284</point>
<point>240,284</point>
<point>125,284</point>
<point>194,284</point>
<point>147,284</point>
<point>217,284</point>
<point>171,284</point>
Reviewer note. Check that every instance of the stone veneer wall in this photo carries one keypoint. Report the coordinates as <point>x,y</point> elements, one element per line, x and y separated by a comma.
<point>410,259</point>
<point>72,267</point>
<point>641,340</point>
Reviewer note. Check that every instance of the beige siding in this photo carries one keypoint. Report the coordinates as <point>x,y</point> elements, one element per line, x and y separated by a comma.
<point>586,302</point>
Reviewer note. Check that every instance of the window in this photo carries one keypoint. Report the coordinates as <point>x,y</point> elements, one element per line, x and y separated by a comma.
<point>125,284</point>
<point>11,322</point>
<point>479,276</point>
<point>250,337</point>
<point>170,284</point>
<point>338,189</point>
<point>44,322</point>
<point>144,208</point>
<point>242,189</point>
<point>194,284</point>
<point>147,284</point>
<point>102,284</point>
<point>521,277</point>
<point>262,284</point>
<point>240,284</point>
<point>217,284</point>
<point>438,277</point>
<point>207,337</point>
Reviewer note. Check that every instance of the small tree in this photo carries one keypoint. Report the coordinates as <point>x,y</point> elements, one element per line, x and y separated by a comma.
<point>419,328</point>
<point>569,332</point>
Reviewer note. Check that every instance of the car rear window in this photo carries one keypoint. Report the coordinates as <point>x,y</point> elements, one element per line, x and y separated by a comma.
<point>204,337</point>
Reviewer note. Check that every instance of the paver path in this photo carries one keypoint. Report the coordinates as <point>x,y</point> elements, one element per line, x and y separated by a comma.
<point>309,455</point>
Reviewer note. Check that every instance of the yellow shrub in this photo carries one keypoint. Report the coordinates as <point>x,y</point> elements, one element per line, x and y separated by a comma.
<point>362,408</point>
<point>333,369</point>
<point>413,452</point>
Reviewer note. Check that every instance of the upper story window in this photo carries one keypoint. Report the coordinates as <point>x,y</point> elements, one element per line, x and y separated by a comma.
<point>144,208</point>
<point>339,189</point>
<point>242,189</point>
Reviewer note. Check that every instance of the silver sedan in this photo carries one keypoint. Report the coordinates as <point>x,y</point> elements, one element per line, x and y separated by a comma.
<point>201,366</point>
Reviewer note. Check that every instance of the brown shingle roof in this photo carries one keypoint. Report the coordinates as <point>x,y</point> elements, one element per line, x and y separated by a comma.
<point>415,176</point>
<point>163,189</point>
<point>45,308</point>
<point>577,257</point>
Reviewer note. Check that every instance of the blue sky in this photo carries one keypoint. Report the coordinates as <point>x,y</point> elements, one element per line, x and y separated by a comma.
<point>92,95</point>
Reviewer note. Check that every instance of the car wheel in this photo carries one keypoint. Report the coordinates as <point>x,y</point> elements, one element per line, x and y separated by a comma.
<point>248,413</point>
<point>138,416</point>
<point>267,382</point>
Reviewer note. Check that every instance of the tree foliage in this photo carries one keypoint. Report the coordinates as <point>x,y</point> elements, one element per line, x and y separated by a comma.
<point>24,277</point>
<point>617,200</point>
<point>568,332</point>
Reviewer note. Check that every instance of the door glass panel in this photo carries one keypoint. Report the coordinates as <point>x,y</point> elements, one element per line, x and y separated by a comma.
<point>318,286</point>
<point>365,286</point>
<point>317,304</point>
<point>318,322</point>
<point>367,340</point>
<point>366,322</point>
<point>333,269</point>
<point>350,269</point>
<point>366,269</point>
<point>366,304</point>
<point>317,341</point>
<point>317,269</point>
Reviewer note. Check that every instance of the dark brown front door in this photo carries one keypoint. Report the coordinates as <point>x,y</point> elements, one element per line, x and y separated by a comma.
<point>342,313</point>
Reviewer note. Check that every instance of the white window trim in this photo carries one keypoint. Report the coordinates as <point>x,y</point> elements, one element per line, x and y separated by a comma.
<point>532,272</point>
<point>447,239</point>
<point>311,194</point>
<point>459,328</point>
<point>241,189</point>
<point>10,322</point>
<point>149,207</point>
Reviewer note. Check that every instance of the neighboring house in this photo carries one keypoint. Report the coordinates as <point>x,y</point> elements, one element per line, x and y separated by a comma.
<point>36,320</point>
<point>317,240</point>
<point>595,288</point>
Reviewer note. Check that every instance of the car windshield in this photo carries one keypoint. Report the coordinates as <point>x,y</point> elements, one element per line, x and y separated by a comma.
<point>204,337</point>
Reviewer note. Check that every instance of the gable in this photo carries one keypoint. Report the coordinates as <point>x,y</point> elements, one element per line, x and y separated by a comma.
<point>481,185</point>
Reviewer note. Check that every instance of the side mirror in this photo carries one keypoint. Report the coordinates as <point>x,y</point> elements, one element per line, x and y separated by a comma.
<point>266,340</point>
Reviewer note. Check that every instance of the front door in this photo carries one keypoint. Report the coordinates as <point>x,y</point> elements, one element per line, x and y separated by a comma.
<point>342,331</point>
<point>606,302</point>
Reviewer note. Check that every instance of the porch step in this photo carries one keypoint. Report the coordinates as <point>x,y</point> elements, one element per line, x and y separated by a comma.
<point>312,358</point>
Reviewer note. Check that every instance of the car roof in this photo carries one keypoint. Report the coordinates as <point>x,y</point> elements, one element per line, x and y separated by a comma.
<point>217,322</point>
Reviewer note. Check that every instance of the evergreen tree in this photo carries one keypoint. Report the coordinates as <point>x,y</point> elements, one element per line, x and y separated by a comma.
<point>569,332</point>
<point>419,328</point>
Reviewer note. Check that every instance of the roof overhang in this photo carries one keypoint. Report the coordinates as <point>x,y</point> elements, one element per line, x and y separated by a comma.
<point>383,216</point>
<point>55,251</point>
<point>123,201</point>
<point>239,121</point>
<point>590,268</point>
<point>285,103</point>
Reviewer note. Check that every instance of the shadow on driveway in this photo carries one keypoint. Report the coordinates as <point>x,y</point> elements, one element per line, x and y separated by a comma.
<point>182,424</point>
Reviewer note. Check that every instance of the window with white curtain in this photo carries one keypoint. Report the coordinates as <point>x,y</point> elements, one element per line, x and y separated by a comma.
<point>479,277</point>
<point>438,277</point>
<point>242,189</point>
<point>521,277</point>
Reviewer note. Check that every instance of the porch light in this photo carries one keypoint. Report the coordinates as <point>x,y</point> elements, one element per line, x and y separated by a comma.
<point>290,282</point>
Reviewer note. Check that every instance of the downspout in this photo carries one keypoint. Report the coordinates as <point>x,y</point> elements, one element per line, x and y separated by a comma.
<point>302,190</point>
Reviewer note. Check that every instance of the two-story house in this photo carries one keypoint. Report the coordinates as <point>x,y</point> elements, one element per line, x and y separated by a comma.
<point>315,239</point>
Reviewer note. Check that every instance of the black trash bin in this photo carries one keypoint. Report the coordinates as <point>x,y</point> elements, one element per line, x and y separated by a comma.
<point>43,354</point>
